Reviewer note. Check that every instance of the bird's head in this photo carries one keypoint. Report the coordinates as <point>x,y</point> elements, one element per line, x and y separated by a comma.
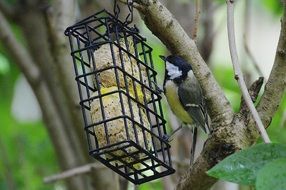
<point>176,68</point>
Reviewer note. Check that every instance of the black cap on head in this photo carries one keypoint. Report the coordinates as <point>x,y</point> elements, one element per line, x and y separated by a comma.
<point>179,62</point>
<point>182,65</point>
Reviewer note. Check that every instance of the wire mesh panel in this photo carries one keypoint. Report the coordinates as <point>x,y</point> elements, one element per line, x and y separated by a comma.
<point>122,112</point>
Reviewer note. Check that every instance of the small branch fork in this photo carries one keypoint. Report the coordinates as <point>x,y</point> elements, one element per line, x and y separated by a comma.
<point>253,90</point>
<point>238,72</point>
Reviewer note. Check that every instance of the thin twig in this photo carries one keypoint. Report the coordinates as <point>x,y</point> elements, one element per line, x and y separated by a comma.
<point>238,73</point>
<point>196,20</point>
<point>246,38</point>
<point>73,172</point>
<point>88,168</point>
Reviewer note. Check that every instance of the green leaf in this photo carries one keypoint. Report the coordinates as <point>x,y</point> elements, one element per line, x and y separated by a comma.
<point>242,167</point>
<point>272,176</point>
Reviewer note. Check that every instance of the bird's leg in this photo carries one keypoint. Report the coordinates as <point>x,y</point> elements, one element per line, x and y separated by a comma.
<point>194,143</point>
<point>169,138</point>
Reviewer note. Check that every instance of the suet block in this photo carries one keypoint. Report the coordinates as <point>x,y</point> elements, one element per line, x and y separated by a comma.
<point>126,62</point>
<point>116,129</point>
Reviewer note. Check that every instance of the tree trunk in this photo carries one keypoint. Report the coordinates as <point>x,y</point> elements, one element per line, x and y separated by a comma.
<point>48,57</point>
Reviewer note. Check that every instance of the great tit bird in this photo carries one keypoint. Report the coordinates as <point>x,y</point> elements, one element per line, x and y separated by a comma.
<point>184,95</point>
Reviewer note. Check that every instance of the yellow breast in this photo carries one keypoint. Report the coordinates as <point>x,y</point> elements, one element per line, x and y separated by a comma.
<point>175,104</point>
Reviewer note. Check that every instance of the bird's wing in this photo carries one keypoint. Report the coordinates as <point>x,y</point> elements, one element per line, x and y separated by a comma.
<point>193,102</point>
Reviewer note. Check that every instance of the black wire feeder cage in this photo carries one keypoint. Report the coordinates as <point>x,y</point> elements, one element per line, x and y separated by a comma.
<point>121,108</point>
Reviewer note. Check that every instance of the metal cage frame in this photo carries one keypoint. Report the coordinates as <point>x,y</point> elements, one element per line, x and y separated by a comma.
<point>143,154</point>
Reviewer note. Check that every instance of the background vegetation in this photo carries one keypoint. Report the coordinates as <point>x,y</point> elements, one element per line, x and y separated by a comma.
<point>26,151</point>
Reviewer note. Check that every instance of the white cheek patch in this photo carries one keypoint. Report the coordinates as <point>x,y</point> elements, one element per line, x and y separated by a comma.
<point>173,71</point>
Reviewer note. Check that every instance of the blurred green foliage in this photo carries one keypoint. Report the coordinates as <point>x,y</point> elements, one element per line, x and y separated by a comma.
<point>225,77</point>
<point>275,7</point>
<point>153,185</point>
<point>4,65</point>
<point>25,151</point>
<point>277,130</point>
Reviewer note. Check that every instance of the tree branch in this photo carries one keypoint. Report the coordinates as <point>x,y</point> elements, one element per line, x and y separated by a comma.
<point>65,150</point>
<point>18,52</point>
<point>276,84</point>
<point>50,114</point>
<point>59,17</point>
<point>73,172</point>
<point>238,73</point>
<point>196,20</point>
<point>232,133</point>
<point>89,168</point>
<point>206,44</point>
<point>222,143</point>
<point>40,48</point>
<point>162,23</point>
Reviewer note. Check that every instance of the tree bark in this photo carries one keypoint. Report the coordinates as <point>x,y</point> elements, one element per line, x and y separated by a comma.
<point>47,65</point>
<point>232,131</point>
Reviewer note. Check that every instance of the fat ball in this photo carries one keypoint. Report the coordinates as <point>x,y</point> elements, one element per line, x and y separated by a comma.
<point>116,131</point>
<point>107,78</point>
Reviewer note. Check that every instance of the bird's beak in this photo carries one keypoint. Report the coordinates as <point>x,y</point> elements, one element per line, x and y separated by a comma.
<point>162,57</point>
